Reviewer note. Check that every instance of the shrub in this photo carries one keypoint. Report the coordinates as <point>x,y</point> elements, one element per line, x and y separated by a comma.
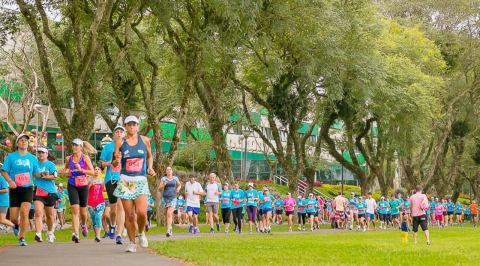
<point>318,184</point>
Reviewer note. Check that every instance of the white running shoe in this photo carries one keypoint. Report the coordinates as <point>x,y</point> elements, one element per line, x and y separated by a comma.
<point>143,240</point>
<point>51,238</point>
<point>124,233</point>
<point>132,247</point>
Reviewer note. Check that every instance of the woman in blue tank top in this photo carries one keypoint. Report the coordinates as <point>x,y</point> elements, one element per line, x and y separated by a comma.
<point>136,159</point>
<point>79,167</point>
<point>170,186</point>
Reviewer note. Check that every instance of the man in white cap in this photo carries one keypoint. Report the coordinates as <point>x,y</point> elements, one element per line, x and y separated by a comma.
<point>117,214</point>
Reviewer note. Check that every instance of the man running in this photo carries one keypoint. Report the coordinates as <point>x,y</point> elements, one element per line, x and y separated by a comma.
<point>395,206</point>
<point>117,213</point>
<point>213,190</point>
<point>193,191</point>
<point>340,210</point>
<point>474,211</point>
<point>419,203</point>
<point>371,204</point>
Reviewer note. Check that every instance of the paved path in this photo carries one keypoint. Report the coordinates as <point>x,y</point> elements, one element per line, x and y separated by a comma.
<point>88,253</point>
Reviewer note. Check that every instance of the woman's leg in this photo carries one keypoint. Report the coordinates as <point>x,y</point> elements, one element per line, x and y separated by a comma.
<point>51,215</point>
<point>38,206</point>
<point>170,217</point>
<point>3,220</point>
<point>75,218</point>
<point>141,203</point>
<point>129,218</point>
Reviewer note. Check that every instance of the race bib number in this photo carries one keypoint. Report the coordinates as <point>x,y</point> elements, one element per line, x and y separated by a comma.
<point>300,209</point>
<point>180,209</point>
<point>56,205</point>
<point>267,199</point>
<point>278,208</point>
<point>22,179</point>
<point>250,200</point>
<point>236,203</point>
<point>382,208</point>
<point>352,208</point>
<point>407,211</point>
<point>134,165</point>
<point>310,207</point>
<point>117,169</point>
<point>40,192</point>
<point>225,201</point>
<point>360,211</point>
<point>81,181</point>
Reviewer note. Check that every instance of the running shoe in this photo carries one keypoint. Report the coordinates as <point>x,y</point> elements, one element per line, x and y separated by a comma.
<point>38,237</point>
<point>239,231</point>
<point>97,239</point>
<point>226,231</point>
<point>299,228</point>
<point>218,227</point>
<point>75,238</point>
<point>21,242</point>
<point>364,229</point>
<point>303,228</point>
<point>374,229</point>
<point>84,230</point>
<point>119,240</point>
<point>16,229</point>
<point>195,231</point>
<point>50,238</point>
<point>428,243</point>
<point>290,229</point>
<point>143,240</point>
<point>251,232</point>
<point>190,230</point>
<point>132,247</point>
<point>235,229</point>
<point>169,233</point>
<point>8,229</point>
<point>269,231</point>
<point>212,231</point>
<point>124,233</point>
<point>256,228</point>
<point>106,235</point>
<point>111,231</point>
<point>147,227</point>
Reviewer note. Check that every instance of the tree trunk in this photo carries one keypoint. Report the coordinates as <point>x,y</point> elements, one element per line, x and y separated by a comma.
<point>310,176</point>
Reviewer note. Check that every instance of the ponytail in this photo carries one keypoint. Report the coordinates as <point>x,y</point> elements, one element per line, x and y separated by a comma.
<point>88,149</point>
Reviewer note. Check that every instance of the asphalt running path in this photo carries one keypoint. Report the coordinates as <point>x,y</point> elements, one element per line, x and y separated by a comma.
<point>88,253</point>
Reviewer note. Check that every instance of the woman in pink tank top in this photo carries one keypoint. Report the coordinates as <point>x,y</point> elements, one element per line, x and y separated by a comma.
<point>96,202</point>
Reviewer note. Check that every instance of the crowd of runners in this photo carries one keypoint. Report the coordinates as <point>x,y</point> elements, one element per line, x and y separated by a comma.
<point>128,160</point>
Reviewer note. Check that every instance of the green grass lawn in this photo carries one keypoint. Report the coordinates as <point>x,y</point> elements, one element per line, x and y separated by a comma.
<point>453,245</point>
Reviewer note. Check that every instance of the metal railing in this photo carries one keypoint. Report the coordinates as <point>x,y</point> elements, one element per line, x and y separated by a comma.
<point>302,186</point>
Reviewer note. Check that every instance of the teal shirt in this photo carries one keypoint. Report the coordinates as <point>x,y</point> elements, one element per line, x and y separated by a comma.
<point>260,195</point>
<point>235,197</point>
<point>383,207</point>
<point>459,208</point>
<point>394,204</point>
<point>251,197</point>
<point>311,205</point>
<point>267,201</point>
<point>301,209</point>
<point>279,205</point>
<point>225,199</point>
<point>361,207</point>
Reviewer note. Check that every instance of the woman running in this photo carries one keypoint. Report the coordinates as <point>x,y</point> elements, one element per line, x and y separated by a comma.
<point>352,201</point>
<point>445,213</point>
<point>237,197</point>
<point>432,210</point>
<point>252,199</point>
<point>182,212</point>
<point>311,204</point>
<point>439,214</point>
<point>267,200</point>
<point>450,210</point>
<point>61,201</point>
<point>289,204</point>
<point>170,186</point>
<point>226,206</point>
<point>466,213</point>
<point>408,211</point>
<point>45,195</point>
<point>278,210</point>
<point>79,166</point>
<point>96,202</point>
<point>361,209</point>
<point>4,203</point>
<point>458,213</point>
<point>320,212</point>
<point>301,213</point>
<point>18,170</point>
<point>150,206</point>
<point>135,155</point>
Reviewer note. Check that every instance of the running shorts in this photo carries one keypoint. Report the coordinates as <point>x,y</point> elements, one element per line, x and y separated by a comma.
<point>265,211</point>
<point>288,213</point>
<point>78,195</point>
<point>171,203</point>
<point>474,216</point>
<point>31,214</point>
<point>107,203</point>
<point>48,201</point>
<point>450,213</point>
<point>194,210</point>
<point>371,216</point>
<point>279,212</point>
<point>316,214</point>
<point>339,216</point>
<point>110,187</point>
<point>420,220</point>
<point>175,212</point>
<point>361,216</point>
<point>19,195</point>
<point>394,216</point>
<point>212,207</point>
<point>383,217</point>
<point>439,217</point>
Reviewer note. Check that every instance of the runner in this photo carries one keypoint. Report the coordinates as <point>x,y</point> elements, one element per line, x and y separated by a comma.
<point>252,200</point>
<point>312,205</point>
<point>301,213</point>
<point>329,210</point>
<point>213,190</point>
<point>278,210</point>
<point>79,166</point>
<point>408,211</point>
<point>439,214</point>
<point>389,213</point>
<point>96,202</point>
<point>117,213</point>
<point>458,213</point>
<point>182,210</point>
<point>445,213</point>
<point>432,210</point>
<point>352,202</point>
<point>361,209</point>
<point>170,186</point>
<point>395,206</point>
<point>474,211</point>
<point>134,154</point>
<point>61,205</point>
<point>319,213</point>
<point>45,195</point>
<point>419,203</point>
<point>466,212</point>
<point>289,204</point>
<point>193,191</point>
<point>260,215</point>
<point>237,197</point>
<point>450,210</point>
<point>18,170</point>
<point>267,201</point>
<point>371,205</point>
<point>150,205</point>
<point>340,205</point>
<point>401,209</point>
<point>4,203</point>
<point>226,206</point>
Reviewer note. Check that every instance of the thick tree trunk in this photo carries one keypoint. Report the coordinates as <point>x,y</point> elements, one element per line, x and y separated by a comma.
<point>310,176</point>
